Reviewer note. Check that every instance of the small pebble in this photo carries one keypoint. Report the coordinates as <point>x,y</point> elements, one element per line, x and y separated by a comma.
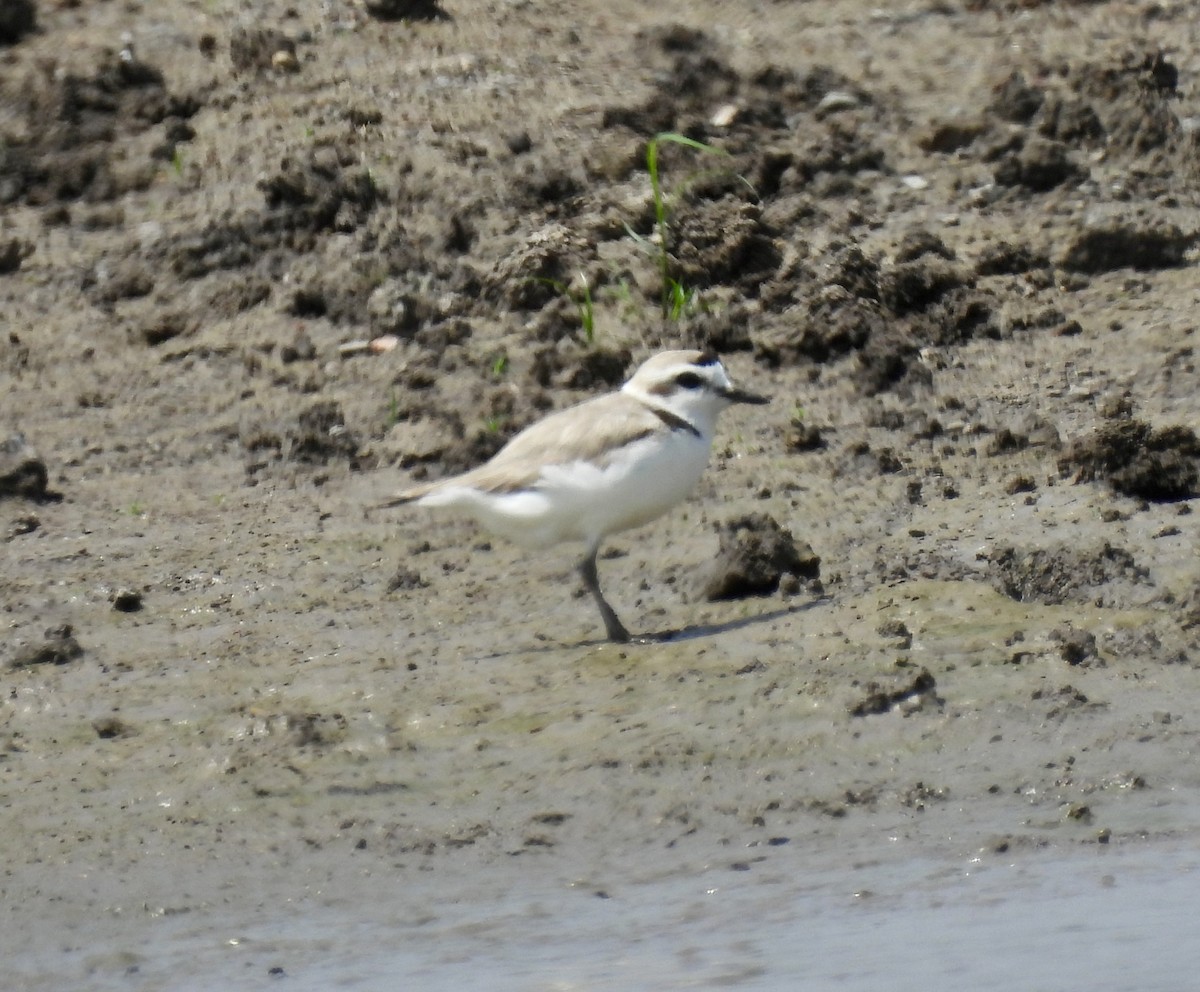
<point>725,115</point>
<point>285,61</point>
<point>837,100</point>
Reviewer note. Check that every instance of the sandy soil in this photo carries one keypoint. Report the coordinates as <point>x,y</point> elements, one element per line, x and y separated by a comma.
<point>954,241</point>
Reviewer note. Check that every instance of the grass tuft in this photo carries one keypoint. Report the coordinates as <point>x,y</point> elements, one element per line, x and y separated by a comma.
<point>582,298</point>
<point>676,300</point>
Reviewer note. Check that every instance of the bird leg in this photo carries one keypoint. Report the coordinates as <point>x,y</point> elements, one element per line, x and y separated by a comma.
<point>613,627</point>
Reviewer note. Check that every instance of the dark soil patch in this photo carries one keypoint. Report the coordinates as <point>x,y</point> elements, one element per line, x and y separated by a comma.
<point>1133,98</point>
<point>912,692</point>
<point>1118,244</point>
<point>17,19</point>
<point>306,199</point>
<point>1039,166</point>
<point>853,302</point>
<point>589,370</point>
<point>1062,575</point>
<point>13,251</point>
<point>320,436</point>
<point>1138,460</point>
<point>260,49</point>
<point>76,125</point>
<point>1007,259</point>
<point>723,243</point>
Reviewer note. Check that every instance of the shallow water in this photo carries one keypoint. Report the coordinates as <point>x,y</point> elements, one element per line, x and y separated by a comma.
<point>1078,921</point>
<point>1097,918</point>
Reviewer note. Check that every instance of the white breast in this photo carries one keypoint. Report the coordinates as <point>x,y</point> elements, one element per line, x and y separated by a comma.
<point>652,475</point>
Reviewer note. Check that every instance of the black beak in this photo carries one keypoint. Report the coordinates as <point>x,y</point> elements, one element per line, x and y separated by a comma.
<point>742,396</point>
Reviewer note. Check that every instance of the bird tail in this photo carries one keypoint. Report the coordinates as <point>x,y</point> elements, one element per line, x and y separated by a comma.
<point>410,495</point>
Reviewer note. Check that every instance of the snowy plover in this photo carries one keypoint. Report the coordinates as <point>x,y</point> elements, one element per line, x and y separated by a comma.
<point>604,465</point>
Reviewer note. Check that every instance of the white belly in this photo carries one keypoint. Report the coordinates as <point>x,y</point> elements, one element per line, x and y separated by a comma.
<point>582,502</point>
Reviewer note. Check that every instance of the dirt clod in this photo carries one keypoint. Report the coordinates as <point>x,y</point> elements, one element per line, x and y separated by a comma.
<point>1077,647</point>
<point>322,435</point>
<point>13,251</point>
<point>1040,166</point>
<point>755,553</point>
<point>1005,258</point>
<point>110,728</point>
<point>127,601</point>
<point>1015,100</point>
<point>412,10</point>
<point>405,579</point>
<point>22,473</point>
<point>58,647</point>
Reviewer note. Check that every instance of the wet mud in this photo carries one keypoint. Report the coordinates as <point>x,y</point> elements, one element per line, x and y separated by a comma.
<point>259,272</point>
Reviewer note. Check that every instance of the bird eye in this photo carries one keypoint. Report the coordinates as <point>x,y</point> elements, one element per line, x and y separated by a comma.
<point>689,380</point>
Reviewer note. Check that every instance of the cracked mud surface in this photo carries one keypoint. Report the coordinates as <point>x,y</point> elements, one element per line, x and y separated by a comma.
<point>257,276</point>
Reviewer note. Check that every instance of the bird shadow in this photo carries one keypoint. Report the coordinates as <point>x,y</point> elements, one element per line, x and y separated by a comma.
<point>697,631</point>
<point>674,636</point>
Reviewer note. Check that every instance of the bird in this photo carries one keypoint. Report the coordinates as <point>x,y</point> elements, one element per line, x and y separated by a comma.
<point>608,464</point>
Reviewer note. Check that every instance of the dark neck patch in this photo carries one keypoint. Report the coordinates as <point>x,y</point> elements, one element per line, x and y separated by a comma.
<point>675,422</point>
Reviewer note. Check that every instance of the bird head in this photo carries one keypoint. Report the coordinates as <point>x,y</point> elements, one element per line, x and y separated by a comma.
<point>692,385</point>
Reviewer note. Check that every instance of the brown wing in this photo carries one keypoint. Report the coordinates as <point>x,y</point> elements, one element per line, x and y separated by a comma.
<point>588,430</point>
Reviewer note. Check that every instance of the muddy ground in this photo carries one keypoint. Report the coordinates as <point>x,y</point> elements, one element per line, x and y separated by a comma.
<point>261,270</point>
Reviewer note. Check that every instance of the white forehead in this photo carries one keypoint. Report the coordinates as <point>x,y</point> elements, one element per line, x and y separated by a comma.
<point>667,365</point>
